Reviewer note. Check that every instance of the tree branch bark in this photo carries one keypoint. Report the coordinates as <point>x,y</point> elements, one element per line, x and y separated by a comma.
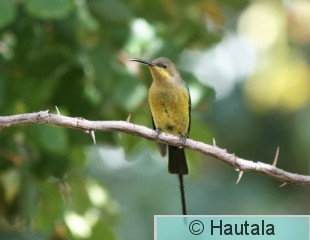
<point>46,118</point>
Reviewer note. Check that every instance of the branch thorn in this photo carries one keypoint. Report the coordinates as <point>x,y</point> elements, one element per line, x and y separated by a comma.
<point>57,110</point>
<point>128,118</point>
<point>276,157</point>
<point>92,134</point>
<point>239,176</point>
<point>214,142</point>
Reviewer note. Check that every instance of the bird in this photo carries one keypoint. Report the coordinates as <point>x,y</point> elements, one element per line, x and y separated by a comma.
<point>170,104</point>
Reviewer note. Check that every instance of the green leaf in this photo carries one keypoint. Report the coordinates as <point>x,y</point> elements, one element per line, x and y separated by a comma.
<point>52,139</point>
<point>110,10</point>
<point>7,12</point>
<point>129,93</point>
<point>10,183</point>
<point>49,9</point>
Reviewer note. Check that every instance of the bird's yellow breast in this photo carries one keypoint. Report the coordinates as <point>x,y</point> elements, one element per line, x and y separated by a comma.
<point>170,108</point>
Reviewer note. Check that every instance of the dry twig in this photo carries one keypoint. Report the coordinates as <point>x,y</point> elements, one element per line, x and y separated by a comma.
<point>44,117</point>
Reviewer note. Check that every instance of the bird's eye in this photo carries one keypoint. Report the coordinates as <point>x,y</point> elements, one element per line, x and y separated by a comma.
<point>164,66</point>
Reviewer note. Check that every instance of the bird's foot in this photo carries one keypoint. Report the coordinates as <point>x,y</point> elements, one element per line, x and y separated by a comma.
<point>158,132</point>
<point>182,139</point>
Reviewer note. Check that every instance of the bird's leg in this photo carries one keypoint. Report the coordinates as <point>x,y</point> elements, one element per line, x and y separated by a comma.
<point>158,132</point>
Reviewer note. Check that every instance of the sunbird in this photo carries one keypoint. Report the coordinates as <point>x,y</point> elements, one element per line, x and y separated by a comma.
<point>170,104</point>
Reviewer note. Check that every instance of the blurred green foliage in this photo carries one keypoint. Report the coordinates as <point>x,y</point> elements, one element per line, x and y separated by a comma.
<point>54,184</point>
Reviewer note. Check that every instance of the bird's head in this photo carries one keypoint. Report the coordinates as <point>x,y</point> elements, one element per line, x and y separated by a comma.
<point>162,69</point>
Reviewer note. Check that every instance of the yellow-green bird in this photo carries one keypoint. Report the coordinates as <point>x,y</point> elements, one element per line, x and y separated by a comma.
<point>170,104</point>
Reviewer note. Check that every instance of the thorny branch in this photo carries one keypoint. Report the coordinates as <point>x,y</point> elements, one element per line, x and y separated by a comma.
<point>242,165</point>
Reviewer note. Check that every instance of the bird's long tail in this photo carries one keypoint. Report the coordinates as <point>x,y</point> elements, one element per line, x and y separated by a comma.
<point>178,165</point>
<point>182,191</point>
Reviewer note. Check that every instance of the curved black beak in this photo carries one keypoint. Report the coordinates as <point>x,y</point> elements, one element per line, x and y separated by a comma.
<point>142,61</point>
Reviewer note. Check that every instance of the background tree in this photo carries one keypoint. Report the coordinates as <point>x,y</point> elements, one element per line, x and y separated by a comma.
<point>55,184</point>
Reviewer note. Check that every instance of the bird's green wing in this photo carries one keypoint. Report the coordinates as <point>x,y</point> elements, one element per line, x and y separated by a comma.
<point>189,107</point>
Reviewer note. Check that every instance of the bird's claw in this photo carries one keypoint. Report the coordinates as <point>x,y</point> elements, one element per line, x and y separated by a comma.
<point>158,132</point>
<point>182,139</point>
